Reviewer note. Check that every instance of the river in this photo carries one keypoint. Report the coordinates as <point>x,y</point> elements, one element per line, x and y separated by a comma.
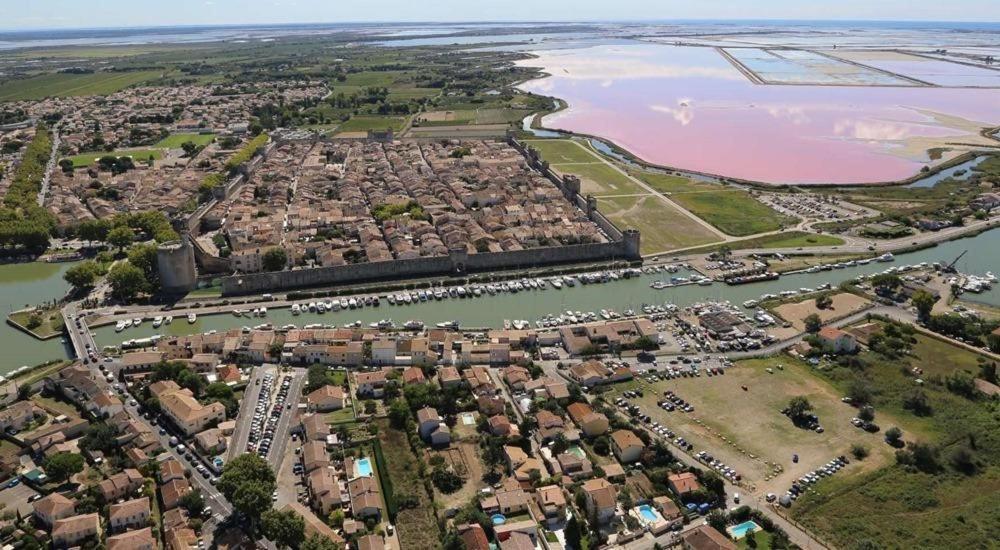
<point>29,284</point>
<point>490,311</point>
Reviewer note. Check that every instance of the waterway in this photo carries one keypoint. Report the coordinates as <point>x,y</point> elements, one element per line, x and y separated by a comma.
<point>22,285</point>
<point>965,168</point>
<point>490,311</point>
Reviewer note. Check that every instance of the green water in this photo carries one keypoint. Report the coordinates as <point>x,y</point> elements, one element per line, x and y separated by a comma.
<point>22,285</point>
<point>490,311</point>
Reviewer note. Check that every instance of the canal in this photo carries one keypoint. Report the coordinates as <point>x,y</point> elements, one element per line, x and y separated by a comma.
<point>490,311</point>
<point>28,284</point>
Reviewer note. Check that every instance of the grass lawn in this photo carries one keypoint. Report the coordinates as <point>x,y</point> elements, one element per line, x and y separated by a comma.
<point>363,123</point>
<point>66,85</point>
<point>600,179</point>
<point>342,416</point>
<point>734,212</point>
<point>663,227</point>
<point>669,183</point>
<point>788,239</point>
<point>52,322</point>
<point>762,540</point>
<point>406,94</point>
<point>57,407</point>
<point>417,526</point>
<point>140,155</point>
<point>562,151</point>
<point>903,507</point>
<point>174,141</point>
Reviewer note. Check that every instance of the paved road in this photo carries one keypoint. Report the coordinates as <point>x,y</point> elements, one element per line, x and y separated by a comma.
<point>49,167</point>
<point>245,415</point>
<point>281,433</point>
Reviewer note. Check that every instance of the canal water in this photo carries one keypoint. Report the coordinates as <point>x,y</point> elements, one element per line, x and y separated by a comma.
<point>490,311</point>
<point>965,168</point>
<point>23,285</point>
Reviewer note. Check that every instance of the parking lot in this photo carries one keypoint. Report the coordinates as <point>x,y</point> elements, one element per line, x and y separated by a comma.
<point>19,497</point>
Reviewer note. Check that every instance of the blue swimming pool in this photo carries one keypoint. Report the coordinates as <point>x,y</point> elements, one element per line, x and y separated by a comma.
<point>363,467</point>
<point>498,519</point>
<point>648,514</point>
<point>740,531</point>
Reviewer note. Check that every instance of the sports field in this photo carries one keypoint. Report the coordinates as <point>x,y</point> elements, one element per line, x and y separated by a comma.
<point>363,123</point>
<point>174,141</point>
<point>139,155</point>
<point>66,85</point>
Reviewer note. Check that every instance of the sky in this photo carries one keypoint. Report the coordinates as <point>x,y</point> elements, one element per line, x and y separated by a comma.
<point>41,14</point>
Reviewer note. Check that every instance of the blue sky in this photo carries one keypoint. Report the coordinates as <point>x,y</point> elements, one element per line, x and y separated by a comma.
<point>21,14</point>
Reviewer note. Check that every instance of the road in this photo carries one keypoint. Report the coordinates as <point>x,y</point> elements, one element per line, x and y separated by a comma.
<point>250,398</point>
<point>281,432</point>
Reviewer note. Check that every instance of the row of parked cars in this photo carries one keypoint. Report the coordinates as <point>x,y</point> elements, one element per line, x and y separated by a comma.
<point>800,485</point>
<point>265,422</point>
<point>725,471</point>
<point>674,402</point>
<point>636,412</point>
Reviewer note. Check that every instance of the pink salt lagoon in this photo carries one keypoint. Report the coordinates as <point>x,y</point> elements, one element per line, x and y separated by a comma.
<point>688,108</point>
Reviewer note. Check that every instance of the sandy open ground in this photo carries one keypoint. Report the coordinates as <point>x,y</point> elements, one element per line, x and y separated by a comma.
<point>843,305</point>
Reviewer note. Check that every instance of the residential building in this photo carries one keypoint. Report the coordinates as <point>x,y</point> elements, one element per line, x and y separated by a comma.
<point>129,514</point>
<point>141,539</point>
<point>71,531</point>
<point>627,446</point>
<point>53,507</point>
<point>591,423</point>
<point>327,398</point>
<point>705,537</point>
<point>601,499</point>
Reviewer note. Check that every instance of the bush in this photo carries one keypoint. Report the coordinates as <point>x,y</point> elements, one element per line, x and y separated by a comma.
<point>859,452</point>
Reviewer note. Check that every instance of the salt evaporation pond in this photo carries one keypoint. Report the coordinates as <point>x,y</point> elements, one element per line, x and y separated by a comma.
<point>687,107</point>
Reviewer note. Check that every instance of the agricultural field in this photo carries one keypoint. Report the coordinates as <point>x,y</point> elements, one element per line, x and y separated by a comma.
<point>734,212</point>
<point>671,183</point>
<point>65,85</point>
<point>745,428</point>
<point>950,501</point>
<point>363,123</point>
<point>471,116</point>
<point>663,227</point>
<point>138,155</point>
<point>174,141</point>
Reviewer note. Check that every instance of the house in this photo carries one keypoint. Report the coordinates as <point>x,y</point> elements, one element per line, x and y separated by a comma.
<point>627,446</point>
<point>601,499</point>
<point>171,492</point>
<point>574,466</point>
<point>449,376</point>
<point>17,416</point>
<point>552,502</point>
<point>985,201</point>
<point>327,398</point>
<point>315,428</point>
<point>324,492</point>
<point>52,508</point>
<point>211,441</point>
<point>549,425</point>
<point>517,540</point>
<point>501,425</point>
<point>140,361</point>
<point>129,514</point>
<point>837,341</point>
<point>370,384</point>
<point>181,539</point>
<point>133,540</point>
<point>170,470</point>
<point>683,483</point>
<point>120,485</point>
<point>520,464</point>
<point>71,531</point>
<point>669,510</point>
<point>383,351</point>
<point>180,406</point>
<point>364,494</point>
<point>591,423</point>
<point>314,456</point>
<point>516,377</point>
<point>431,428</point>
<point>413,375</point>
<point>371,542</point>
<point>705,537</point>
<point>474,537</point>
<point>509,502</point>
<point>590,373</point>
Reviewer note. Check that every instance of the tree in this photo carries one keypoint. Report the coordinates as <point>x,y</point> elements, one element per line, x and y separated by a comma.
<point>275,259</point>
<point>572,534</point>
<point>924,302</point>
<point>93,230</point>
<point>83,274</point>
<point>798,406</point>
<point>446,480</point>
<point>859,451</point>
<point>100,437</point>
<point>193,502</point>
<point>867,413</point>
<point>399,413</point>
<point>893,436</point>
<point>317,541</point>
<point>61,466</point>
<point>885,281</point>
<point>813,323</point>
<point>126,281</point>
<point>824,302</point>
<point>143,256</point>
<point>285,528</point>
<point>121,237</point>
<point>189,148</point>
<point>247,482</point>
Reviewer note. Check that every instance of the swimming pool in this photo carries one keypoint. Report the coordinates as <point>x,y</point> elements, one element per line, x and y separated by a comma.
<point>648,514</point>
<point>363,467</point>
<point>498,519</point>
<point>740,531</point>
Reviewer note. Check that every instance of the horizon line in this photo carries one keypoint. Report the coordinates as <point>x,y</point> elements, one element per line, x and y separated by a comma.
<point>491,21</point>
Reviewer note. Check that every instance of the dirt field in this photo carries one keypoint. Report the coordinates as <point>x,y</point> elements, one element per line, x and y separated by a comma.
<point>844,304</point>
<point>746,430</point>
<point>463,457</point>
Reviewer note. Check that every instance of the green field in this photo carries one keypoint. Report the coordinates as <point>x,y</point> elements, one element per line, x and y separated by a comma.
<point>406,94</point>
<point>364,123</point>
<point>661,225</point>
<point>139,155</point>
<point>372,78</point>
<point>174,141</point>
<point>788,239</point>
<point>670,183</point>
<point>562,151</point>
<point>903,507</point>
<point>473,116</point>
<point>65,85</point>
<point>600,179</point>
<point>734,212</point>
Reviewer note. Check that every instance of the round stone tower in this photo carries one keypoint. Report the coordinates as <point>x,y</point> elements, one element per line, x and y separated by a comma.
<point>175,263</point>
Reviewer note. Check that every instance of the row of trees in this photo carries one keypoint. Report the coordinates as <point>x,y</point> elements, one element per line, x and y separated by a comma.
<point>22,222</point>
